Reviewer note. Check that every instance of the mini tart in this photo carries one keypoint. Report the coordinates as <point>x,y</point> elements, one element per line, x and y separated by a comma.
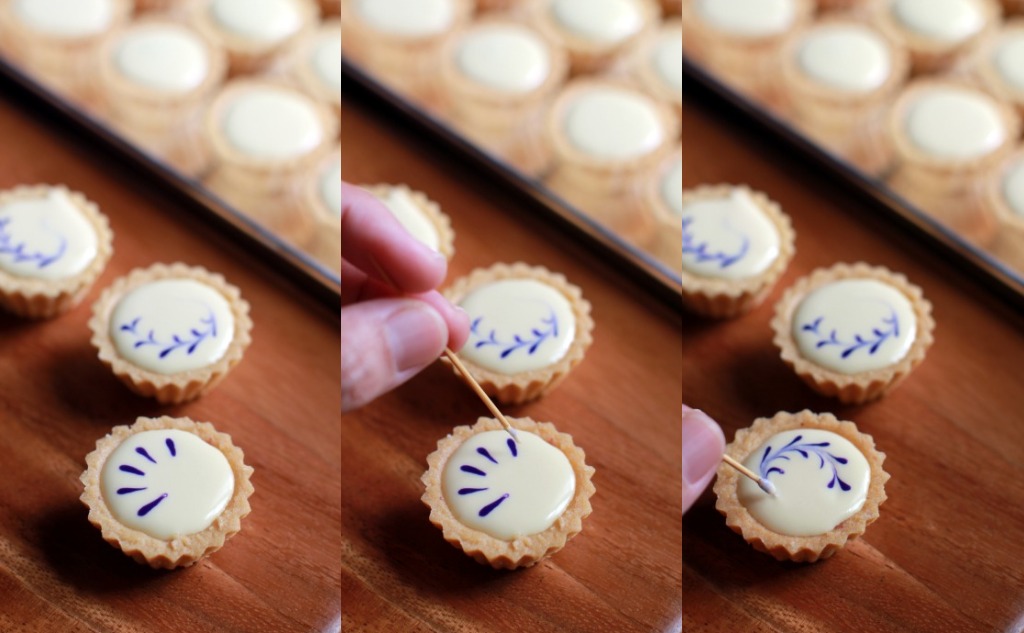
<point>322,201</point>
<point>1004,196</point>
<point>177,551</point>
<point>998,63</point>
<point>801,549</point>
<point>593,43</point>
<point>656,63</point>
<point>419,215</point>
<point>662,195</point>
<point>520,386</point>
<point>163,92</point>
<point>187,384</point>
<point>522,551</point>
<point>34,296</point>
<point>938,43</point>
<point>860,386</point>
<point>741,40</point>
<point>316,64</point>
<point>253,32</point>
<point>730,297</point>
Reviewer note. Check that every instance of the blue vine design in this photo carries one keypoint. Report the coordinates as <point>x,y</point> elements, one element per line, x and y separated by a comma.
<point>805,449</point>
<point>701,251</point>
<point>890,328</point>
<point>19,251</point>
<point>531,342</point>
<point>190,342</point>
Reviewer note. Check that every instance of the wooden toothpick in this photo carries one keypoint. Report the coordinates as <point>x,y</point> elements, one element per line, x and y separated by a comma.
<point>463,372</point>
<point>762,482</point>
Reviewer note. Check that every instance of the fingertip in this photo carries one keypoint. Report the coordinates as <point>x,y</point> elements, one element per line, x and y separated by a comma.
<point>458,328</point>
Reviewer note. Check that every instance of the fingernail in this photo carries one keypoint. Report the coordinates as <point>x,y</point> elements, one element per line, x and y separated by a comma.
<point>703,445</point>
<point>416,336</point>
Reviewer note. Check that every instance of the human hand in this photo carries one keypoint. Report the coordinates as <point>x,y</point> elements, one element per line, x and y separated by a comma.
<point>393,321</point>
<point>703,447</point>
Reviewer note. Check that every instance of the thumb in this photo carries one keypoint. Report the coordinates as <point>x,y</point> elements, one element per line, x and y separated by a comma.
<point>703,446</point>
<point>384,343</point>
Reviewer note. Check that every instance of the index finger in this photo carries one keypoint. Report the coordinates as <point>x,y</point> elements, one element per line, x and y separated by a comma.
<point>374,241</point>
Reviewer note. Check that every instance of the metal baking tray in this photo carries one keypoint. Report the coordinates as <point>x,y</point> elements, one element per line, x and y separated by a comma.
<point>190,194</point>
<point>1001,279</point>
<point>645,268</point>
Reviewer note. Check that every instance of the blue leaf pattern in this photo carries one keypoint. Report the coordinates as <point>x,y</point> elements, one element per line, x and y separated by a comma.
<point>805,450</point>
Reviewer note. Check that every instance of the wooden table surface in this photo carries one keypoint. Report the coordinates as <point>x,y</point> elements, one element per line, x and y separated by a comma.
<point>281,572</point>
<point>621,404</point>
<point>946,553</point>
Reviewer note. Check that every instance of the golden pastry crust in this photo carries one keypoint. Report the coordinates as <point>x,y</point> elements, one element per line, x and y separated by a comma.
<point>304,72</point>
<point>527,385</point>
<point>1008,243</point>
<point>587,55</point>
<point>180,551</point>
<point>801,549</point>
<point>245,54</point>
<point>928,54</point>
<point>181,386</point>
<point>667,238</point>
<point>645,72</point>
<point>862,386</point>
<point>431,210</point>
<point>523,551</point>
<point>983,64</point>
<point>727,298</point>
<point>46,298</point>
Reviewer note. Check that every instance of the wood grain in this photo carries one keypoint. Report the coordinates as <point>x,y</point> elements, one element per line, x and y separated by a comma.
<point>281,572</point>
<point>946,553</point>
<point>621,574</point>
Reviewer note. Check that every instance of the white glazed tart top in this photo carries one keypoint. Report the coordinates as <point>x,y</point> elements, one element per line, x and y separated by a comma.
<point>1013,187</point>
<point>517,325</point>
<point>164,57</point>
<point>507,489</point>
<point>748,18</point>
<point>330,185</point>
<point>948,21</point>
<point>637,128</point>
<point>505,57</point>
<point>820,478</point>
<point>65,18</point>
<point>728,238</point>
<point>172,325</point>
<point>603,21</point>
<point>672,186</point>
<point>1008,60</point>
<point>846,57</point>
<point>667,58</point>
<point>854,325</point>
<point>45,238</point>
<point>953,123</point>
<point>401,205</point>
<point>325,58</point>
<point>166,483</point>
<point>265,21</point>
<point>272,124</point>
<point>410,18</point>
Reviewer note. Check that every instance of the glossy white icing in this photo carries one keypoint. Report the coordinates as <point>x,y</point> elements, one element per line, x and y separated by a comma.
<point>845,57</point>
<point>326,61</point>
<point>164,57</point>
<point>748,18</point>
<point>942,20</point>
<point>854,325</point>
<point>409,18</point>
<point>517,325</point>
<point>1013,187</point>
<point>519,488</point>
<point>1008,59</point>
<point>604,21</point>
<point>273,124</point>
<point>667,57</point>
<point>505,57</point>
<point>172,325</point>
<point>330,186</point>
<point>264,21</point>
<point>728,237</point>
<point>954,123</point>
<point>672,186</point>
<point>65,18</point>
<point>820,486</point>
<point>166,483</point>
<point>401,205</point>
<point>45,238</point>
<point>637,129</point>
